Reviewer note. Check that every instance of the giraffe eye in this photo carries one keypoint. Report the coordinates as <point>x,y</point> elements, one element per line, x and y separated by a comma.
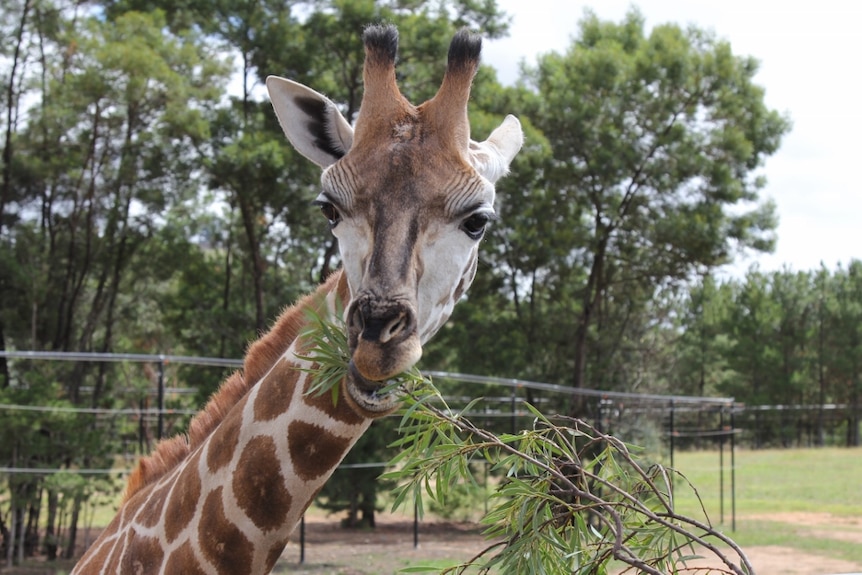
<point>474,226</point>
<point>330,212</point>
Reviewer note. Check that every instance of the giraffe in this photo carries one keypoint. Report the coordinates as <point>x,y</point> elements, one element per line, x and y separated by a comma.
<point>408,194</point>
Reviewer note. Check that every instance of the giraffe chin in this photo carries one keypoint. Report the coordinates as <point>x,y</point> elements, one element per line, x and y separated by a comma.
<point>364,394</point>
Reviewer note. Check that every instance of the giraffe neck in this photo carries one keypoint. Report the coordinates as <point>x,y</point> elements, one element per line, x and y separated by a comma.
<point>230,504</point>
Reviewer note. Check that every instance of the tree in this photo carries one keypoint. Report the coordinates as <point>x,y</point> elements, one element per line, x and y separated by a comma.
<point>700,339</point>
<point>655,138</point>
<point>844,345</point>
<point>109,145</point>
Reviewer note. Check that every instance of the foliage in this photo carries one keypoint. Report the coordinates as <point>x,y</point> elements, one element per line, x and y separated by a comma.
<point>571,499</point>
<point>464,500</point>
<point>563,505</point>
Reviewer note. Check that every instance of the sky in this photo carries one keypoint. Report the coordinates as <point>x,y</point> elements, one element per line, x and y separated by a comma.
<point>811,69</point>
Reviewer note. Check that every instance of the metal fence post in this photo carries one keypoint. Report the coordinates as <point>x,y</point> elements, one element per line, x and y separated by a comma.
<point>721,464</point>
<point>302,539</point>
<point>672,432</point>
<point>160,428</point>
<point>732,469</point>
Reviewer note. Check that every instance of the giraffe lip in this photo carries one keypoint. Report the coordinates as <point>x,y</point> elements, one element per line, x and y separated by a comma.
<point>365,393</point>
<point>360,381</point>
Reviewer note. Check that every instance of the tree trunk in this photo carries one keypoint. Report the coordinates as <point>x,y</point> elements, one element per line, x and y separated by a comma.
<point>20,537</point>
<point>6,183</point>
<point>368,515</point>
<point>4,366</point>
<point>5,536</point>
<point>853,416</point>
<point>226,290</point>
<point>11,107</point>
<point>591,300</point>
<point>352,519</point>
<point>73,528</point>
<point>13,512</point>
<point>13,526</point>
<point>51,527</point>
<point>257,263</point>
<point>821,379</point>
<point>31,532</point>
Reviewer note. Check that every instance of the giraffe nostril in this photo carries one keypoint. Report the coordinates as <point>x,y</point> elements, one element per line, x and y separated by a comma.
<point>357,323</point>
<point>395,327</point>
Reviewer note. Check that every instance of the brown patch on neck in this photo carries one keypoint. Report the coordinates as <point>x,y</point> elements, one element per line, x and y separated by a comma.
<point>222,542</point>
<point>276,391</point>
<point>143,555</point>
<point>275,553</point>
<point>183,502</point>
<point>224,441</point>
<point>260,358</point>
<point>183,560</point>
<point>341,410</point>
<point>278,388</point>
<point>147,508</point>
<point>314,451</point>
<point>259,486</point>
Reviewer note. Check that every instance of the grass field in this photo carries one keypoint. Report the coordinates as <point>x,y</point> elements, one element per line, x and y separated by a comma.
<point>779,480</point>
<point>804,499</point>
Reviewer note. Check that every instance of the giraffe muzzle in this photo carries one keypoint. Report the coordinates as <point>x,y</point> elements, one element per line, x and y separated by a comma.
<point>383,339</point>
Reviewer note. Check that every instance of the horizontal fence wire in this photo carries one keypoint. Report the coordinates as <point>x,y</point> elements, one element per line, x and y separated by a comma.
<point>681,403</point>
<point>467,378</point>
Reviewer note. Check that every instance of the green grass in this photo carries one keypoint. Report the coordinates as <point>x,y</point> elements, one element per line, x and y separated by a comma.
<point>770,485</point>
<point>772,481</point>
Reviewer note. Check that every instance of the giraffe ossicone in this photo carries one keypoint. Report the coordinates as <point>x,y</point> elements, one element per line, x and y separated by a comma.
<point>408,194</point>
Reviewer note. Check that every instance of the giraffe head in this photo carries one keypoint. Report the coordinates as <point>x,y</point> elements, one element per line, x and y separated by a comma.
<point>407,193</point>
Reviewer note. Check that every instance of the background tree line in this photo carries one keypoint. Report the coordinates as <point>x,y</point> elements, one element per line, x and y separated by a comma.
<point>145,208</point>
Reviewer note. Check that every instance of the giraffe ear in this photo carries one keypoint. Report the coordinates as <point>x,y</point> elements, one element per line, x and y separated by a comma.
<point>492,157</point>
<point>310,121</point>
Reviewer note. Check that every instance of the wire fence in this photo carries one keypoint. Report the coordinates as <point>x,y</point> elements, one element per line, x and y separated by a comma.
<point>662,423</point>
<point>667,418</point>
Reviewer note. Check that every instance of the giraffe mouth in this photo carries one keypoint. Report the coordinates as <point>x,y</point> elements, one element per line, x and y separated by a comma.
<point>383,342</point>
<point>367,395</point>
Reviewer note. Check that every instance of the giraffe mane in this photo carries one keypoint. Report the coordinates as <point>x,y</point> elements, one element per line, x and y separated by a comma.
<point>262,355</point>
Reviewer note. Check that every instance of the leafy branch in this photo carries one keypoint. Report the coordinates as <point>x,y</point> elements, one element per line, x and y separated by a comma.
<point>571,499</point>
<point>326,340</point>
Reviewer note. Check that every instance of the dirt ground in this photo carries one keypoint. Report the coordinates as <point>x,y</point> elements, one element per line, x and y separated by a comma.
<point>331,550</point>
